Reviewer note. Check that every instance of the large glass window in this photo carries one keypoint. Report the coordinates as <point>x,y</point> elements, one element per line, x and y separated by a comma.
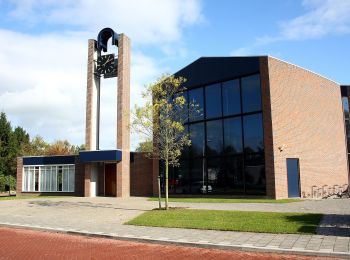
<point>233,135</point>
<point>197,139</point>
<point>253,133</point>
<point>231,128</point>
<point>214,137</point>
<point>251,93</point>
<point>195,96</point>
<point>50,178</point>
<point>213,101</point>
<point>231,97</point>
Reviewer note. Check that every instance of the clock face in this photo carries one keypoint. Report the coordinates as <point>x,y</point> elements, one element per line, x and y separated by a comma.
<point>105,64</point>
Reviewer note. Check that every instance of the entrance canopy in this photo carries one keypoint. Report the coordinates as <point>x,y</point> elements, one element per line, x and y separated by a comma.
<point>100,156</point>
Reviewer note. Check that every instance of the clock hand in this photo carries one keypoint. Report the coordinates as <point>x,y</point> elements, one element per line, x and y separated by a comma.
<point>108,61</point>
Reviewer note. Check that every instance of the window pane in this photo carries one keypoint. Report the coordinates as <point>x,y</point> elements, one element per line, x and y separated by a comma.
<point>25,179</point>
<point>231,97</point>
<point>180,181</point>
<point>65,178</point>
<point>53,178</point>
<point>251,94</point>
<point>253,133</point>
<point>213,101</point>
<point>49,178</point>
<point>214,137</point>
<point>198,177</point>
<point>234,173</point>
<point>32,179</point>
<point>197,139</point>
<point>345,101</point>
<point>71,178</point>
<point>42,178</point>
<point>59,178</point>
<point>255,174</point>
<point>186,149</point>
<point>233,135</point>
<point>195,96</point>
<point>36,181</point>
<point>217,182</point>
<point>182,110</point>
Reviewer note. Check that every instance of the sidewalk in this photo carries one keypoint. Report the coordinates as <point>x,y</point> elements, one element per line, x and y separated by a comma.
<point>105,218</point>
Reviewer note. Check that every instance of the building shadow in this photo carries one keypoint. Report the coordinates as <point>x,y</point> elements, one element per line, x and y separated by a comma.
<point>334,225</point>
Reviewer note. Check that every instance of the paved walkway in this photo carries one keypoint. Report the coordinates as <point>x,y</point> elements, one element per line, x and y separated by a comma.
<point>29,244</point>
<point>105,217</point>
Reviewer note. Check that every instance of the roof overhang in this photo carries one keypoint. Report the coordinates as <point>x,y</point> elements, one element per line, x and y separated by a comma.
<point>100,156</point>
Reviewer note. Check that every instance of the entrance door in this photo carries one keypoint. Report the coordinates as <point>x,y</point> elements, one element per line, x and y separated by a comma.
<point>293,178</point>
<point>110,180</point>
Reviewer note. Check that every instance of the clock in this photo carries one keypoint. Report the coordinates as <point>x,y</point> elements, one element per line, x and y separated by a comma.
<point>106,64</point>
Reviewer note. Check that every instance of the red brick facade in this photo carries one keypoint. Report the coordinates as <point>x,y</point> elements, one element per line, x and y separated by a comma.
<point>141,175</point>
<point>123,116</point>
<point>305,121</point>
<point>19,175</point>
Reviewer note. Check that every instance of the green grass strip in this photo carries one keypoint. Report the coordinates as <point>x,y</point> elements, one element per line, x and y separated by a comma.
<point>247,221</point>
<point>228,200</point>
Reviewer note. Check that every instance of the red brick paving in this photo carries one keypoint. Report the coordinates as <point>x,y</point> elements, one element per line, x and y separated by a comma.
<point>30,244</point>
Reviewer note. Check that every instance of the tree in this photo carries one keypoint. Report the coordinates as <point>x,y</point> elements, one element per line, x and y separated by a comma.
<point>161,121</point>
<point>60,147</point>
<point>36,147</point>
<point>144,146</point>
<point>10,146</point>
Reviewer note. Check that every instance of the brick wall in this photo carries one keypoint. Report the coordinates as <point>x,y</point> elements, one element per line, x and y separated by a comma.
<point>267,126</point>
<point>141,176</point>
<point>307,122</point>
<point>19,175</point>
<point>123,116</point>
<point>79,177</point>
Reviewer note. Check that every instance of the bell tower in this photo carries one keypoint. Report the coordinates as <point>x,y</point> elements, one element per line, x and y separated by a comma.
<point>101,66</point>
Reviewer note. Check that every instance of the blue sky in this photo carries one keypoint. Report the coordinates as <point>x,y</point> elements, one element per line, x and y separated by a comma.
<point>43,54</point>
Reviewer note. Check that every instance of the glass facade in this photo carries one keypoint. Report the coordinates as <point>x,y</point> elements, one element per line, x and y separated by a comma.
<point>227,151</point>
<point>49,178</point>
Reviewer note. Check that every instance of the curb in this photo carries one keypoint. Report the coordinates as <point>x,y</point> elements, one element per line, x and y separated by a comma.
<point>222,246</point>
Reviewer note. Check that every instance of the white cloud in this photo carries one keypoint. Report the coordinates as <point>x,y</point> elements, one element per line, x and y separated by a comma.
<point>322,18</point>
<point>47,76</point>
<point>144,21</point>
<point>43,77</point>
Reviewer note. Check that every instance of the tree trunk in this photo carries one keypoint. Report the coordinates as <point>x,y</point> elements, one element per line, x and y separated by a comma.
<point>159,194</point>
<point>166,184</point>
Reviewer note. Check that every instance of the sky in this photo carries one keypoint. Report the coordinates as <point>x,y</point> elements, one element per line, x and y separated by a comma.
<point>43,50</point>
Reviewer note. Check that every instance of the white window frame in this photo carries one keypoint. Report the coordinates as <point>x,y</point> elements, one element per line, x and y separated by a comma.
<point>69,166</point>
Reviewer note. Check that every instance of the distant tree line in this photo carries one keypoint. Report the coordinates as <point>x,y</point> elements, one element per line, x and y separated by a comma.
<point>15,142</point>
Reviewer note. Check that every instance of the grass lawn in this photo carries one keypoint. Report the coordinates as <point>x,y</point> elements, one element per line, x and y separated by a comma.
<point>30,197</point>
<point>228,200</point>
<point>266,222</point>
